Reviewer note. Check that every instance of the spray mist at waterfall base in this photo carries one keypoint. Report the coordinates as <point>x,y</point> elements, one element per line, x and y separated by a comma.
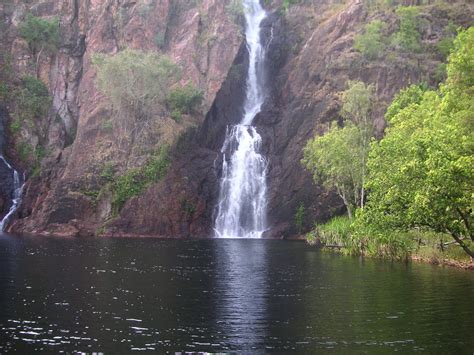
<point>242,199</point>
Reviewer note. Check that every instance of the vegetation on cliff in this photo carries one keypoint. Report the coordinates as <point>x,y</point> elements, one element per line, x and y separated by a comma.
<point>420,173</point>
<point>135,181</point>
<point>139,83</point>
<point>143,89</point>
<point>41,35</point>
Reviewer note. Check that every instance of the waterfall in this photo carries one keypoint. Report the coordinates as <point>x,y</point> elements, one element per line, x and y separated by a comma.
<point>242,197</point>
<point>16,194</point>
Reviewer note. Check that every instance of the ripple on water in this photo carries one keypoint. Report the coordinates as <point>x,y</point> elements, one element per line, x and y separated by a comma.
<point>223,295</point>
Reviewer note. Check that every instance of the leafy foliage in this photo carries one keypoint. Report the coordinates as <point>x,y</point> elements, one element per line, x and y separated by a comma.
<point>461,62</point>
<point>371,42</point>
<point>136,81</point>
<point>184,99</point>
<point>411,95</point>
<point>285,5</point>
<point>408,36</point>
<point>136,180</point>
<point>338,158</point>
<point>40,34</point>
<point>445,45</point>
<point>299,217</point>
<point>32,101</point>
<point>333,160</point>
<point>420,173</point>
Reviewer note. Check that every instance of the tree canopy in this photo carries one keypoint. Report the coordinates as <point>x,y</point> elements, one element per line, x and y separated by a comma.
<point>41,35</point>
<point>371,42</point>
<point>136,81</point>
<point>421,173</point>
<point>338,158</point>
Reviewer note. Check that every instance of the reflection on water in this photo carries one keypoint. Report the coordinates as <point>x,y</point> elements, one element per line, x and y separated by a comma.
<point>241,305</point>
<point>217,295</point>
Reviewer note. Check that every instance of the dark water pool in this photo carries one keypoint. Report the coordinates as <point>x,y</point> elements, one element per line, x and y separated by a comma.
<point>117,295</point>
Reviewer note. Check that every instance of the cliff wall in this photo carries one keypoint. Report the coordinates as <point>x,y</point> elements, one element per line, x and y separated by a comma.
<point>310,58</point>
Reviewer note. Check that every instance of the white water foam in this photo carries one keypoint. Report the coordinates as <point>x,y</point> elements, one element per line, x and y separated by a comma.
<point>242,199</point>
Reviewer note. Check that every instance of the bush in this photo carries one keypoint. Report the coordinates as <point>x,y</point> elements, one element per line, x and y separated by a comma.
<point>32,101</point>
<point>136,180</point>
<point>135,81</point>
<point>444,46</point>
<point>336,231</point>
<point>299,217</point>
<point>184,99</point>
<point>41,35</point>
<point>408,37</point>
<point>371,43</point>
<point>176,115</point>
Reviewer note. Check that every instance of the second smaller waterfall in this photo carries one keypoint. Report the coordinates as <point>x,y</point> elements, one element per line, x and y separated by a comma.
<point>16,194</point>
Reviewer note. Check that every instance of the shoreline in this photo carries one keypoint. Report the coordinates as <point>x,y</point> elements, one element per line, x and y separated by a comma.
<point>464,265</point>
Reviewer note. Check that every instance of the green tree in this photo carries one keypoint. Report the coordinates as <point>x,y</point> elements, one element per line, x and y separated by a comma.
<point>408,36</point>
<point>31,100</point>
<point>135,81</point>
<point>334,161</point>
<point>371,42</point>
<point>420,173</point>
<point>357,105</point>
<point>41,35</point>
<point>338,159</point>
<point>184,99</point>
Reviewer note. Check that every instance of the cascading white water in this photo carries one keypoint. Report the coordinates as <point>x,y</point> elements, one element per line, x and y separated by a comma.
<point>242,199</point>
<point>16,196</point>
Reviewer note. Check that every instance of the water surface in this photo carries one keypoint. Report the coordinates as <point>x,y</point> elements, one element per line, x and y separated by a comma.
<point>117,295</point>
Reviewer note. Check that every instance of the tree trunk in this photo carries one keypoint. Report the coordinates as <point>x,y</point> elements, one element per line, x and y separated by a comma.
<point>37,62</point>
<point>466,223</point>
<point>346,203</point>
<point>462,244</point>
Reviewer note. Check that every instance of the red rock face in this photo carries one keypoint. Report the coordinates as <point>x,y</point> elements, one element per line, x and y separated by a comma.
<point>192,35</point>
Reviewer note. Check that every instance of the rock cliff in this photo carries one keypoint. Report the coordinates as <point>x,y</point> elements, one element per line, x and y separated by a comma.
<point>310,57</point>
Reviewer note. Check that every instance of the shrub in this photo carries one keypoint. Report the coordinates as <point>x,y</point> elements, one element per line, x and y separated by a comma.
<point>299,217</point>
<point>371,43</point>
<point>32,101</point>
<point>41,35</point>
<point>408,37</point>
<point>185,99</point>
<point>136,180</point>
<point>444,46</point>
<point>176,115</point>
<point>135,81</point>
